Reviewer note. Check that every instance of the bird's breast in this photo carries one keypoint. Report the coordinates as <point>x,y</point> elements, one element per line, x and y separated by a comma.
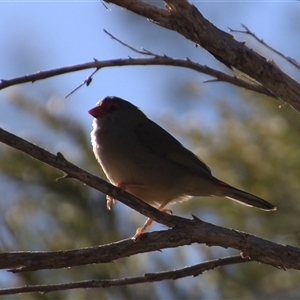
<point>149,177</point>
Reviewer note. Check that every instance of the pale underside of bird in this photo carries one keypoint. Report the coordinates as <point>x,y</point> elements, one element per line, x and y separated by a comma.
<point>139,156</point>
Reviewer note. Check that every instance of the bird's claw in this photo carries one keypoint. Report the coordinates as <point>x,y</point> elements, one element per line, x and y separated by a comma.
<point>110,201</point>
<point>138,232</point>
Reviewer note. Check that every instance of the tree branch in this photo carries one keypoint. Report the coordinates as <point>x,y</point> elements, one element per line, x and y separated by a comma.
<point>194,271</point>
<point>190,231</point>
<point>158,60</point>
<point>59,162</point>
<point>183,17</point>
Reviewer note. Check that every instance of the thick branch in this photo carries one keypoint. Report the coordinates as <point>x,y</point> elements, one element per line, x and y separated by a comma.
<point>189,232</point>
<point>158,60</point>
<point>195,270</point>
<point>185,18</point>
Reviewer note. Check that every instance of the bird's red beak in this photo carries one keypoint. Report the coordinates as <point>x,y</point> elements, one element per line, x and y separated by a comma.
<point>95,112</point>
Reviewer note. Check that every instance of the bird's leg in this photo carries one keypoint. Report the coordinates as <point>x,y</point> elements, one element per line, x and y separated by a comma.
<point>110,200</point>
<point>149,221</point>
<point>122,186</point>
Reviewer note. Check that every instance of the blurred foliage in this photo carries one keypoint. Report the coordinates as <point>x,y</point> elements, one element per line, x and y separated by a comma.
<point>253,145</point>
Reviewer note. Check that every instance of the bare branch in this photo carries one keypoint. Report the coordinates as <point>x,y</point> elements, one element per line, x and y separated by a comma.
<point>185,233</point>
<point>157,60</point>
<point>183,17</point>
<point>146,52</point>
<point>248,31</point>
<point>86,82</point>
<point>194,270</point>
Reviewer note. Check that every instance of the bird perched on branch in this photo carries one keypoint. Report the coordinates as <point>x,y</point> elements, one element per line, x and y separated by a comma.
<point>139,156</point>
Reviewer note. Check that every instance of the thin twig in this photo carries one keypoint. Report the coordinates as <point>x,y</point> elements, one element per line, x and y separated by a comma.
<point>194,271</point>
<point>249,32</point>
<point>89,78</point>
<point>144,52</point>
<point>86,82</point>
<point>105,6</point>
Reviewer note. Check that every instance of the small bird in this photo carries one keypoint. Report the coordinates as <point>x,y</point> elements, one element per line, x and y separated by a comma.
<point>139,156</point>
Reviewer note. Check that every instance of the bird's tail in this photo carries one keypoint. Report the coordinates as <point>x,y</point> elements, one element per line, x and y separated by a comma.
<point>245,198</point>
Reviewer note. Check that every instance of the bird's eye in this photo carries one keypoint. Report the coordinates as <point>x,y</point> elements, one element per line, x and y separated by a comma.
<point>111,108</point>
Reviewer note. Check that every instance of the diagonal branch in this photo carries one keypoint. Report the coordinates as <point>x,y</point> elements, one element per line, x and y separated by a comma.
<point>59,162</point>
<point>194,271</point>
<point>183,17</point>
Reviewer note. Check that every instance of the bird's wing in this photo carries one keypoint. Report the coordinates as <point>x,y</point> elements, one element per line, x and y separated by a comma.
<point>159,142</point>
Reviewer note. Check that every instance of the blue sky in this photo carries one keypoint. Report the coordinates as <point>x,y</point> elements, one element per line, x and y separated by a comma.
<point>65,33</point>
